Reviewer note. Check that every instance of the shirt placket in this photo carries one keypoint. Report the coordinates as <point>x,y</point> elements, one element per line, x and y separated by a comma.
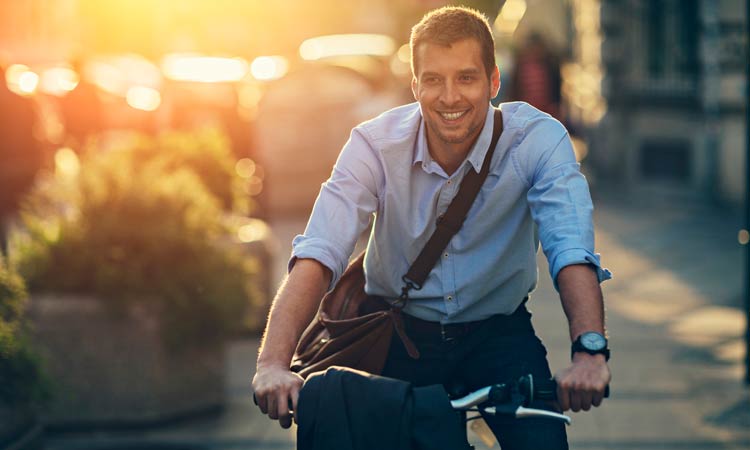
<point>447,260</point>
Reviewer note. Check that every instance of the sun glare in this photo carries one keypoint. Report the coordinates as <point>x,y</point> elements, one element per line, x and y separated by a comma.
<point>346,45</point>
<point>204,69</point>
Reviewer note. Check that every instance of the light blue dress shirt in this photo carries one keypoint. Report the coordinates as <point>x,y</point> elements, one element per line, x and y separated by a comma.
<point>534,192</point>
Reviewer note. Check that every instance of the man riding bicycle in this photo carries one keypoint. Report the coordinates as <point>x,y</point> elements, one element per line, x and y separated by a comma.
<point>469,320</point>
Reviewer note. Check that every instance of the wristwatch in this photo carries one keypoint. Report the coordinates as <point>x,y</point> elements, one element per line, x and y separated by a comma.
<point>592,343</point>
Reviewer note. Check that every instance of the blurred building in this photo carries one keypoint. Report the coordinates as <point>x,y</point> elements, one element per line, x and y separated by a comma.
<point>675,97</point>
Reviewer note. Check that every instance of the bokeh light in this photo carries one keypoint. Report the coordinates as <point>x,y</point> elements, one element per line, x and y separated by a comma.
<point>58,80</point>
<point>245,168</point>
<point>253,230</point>
<point>254,186</point>
<point>404,53</point>
<point>66,163</point>
<point>269,67</point>
<point>21,80</point>
<point>143,98</point>
<point>509,17</point>
<point>28,82</point>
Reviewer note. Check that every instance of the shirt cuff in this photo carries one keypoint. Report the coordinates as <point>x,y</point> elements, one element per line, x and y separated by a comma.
<point>578,256</point>
<point>322,251</point>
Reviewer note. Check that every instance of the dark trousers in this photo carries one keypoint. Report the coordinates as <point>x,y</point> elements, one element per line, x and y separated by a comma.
<point>499,350</point>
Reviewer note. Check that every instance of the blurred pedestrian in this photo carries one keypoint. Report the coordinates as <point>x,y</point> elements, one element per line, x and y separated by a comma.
<point>81,110</point>
<point>20,154</point>
<point>536,76</point>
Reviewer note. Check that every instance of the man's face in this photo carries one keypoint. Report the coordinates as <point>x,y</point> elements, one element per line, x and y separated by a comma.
<point>453,91</point>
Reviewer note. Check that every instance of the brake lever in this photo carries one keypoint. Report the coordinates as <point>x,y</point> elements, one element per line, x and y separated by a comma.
<point>533,412</point>
<point>522,412</point>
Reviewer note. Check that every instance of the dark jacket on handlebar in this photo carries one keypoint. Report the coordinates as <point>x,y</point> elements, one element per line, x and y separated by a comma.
<point>344,409</point>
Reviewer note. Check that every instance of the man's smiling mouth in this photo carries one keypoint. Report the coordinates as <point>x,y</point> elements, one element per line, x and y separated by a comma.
<point>452,115</point>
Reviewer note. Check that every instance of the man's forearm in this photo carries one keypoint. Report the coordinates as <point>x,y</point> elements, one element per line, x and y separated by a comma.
<point>582,299</point>
<point>292,310</point>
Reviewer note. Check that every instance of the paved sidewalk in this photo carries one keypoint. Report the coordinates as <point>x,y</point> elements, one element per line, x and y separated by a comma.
<point>675,322</point>
<point>676,326</point>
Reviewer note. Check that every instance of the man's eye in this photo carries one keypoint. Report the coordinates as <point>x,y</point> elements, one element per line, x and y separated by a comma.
<point>467,78</point>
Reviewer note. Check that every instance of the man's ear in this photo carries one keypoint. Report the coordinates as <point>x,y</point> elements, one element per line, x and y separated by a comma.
<point>495,82</point>
<point>414,87</point>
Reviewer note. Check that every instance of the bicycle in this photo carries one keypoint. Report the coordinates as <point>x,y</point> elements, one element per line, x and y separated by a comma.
<point>511,399</point>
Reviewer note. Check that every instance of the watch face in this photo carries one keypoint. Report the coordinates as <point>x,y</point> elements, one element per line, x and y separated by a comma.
<point>593,341</point>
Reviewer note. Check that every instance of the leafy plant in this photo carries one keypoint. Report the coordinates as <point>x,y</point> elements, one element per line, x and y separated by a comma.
<point>21,376</point>
<point>206,152</point>
<point>136,228</point>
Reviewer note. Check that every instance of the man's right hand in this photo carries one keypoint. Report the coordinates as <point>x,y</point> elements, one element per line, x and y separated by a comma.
<point>277,387</point>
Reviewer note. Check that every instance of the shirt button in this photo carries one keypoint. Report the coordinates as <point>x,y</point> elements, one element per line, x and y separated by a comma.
<point>445,255</point>
<point>449,182</point>
<point>449,298</point>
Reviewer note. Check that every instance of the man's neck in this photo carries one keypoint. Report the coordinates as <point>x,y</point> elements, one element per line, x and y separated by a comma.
<point>449,156</point>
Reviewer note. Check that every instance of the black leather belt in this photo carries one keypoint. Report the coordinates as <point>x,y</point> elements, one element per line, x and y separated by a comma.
<point>417,328</point>
<point>519,322</point>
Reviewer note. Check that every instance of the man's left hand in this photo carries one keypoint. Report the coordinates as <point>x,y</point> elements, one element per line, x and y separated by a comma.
<point>583,383</point>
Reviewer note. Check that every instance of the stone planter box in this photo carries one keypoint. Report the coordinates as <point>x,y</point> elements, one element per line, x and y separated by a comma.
<point>113,372</point>
<point>19,428</point>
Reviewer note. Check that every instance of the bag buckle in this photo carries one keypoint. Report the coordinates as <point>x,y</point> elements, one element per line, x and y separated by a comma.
<point>404,297</point>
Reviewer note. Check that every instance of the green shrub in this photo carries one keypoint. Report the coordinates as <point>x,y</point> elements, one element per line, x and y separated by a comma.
<point>133,229</point>
<point>21,378</point>
<point>206,152</point>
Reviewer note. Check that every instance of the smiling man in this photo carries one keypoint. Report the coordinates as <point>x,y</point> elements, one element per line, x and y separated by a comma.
<point>469,320</point>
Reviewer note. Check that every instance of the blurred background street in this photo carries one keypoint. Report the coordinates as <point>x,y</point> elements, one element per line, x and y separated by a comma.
<point>157,159</point>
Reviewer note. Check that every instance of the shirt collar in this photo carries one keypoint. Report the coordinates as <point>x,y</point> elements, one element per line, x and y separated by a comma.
<point>476,154</point>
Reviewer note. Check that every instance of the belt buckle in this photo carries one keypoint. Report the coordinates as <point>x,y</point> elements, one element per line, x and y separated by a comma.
<point>444,336</point>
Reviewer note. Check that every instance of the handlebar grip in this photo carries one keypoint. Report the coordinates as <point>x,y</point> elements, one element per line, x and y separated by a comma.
<point>255,400</point>
<point>545,389</point>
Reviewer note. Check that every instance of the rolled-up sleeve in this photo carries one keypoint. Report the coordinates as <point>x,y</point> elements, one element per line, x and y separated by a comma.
<point>561,206</point>
<point>343,208</point>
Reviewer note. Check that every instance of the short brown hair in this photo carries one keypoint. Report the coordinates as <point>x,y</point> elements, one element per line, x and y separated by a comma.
<point>450,24</point>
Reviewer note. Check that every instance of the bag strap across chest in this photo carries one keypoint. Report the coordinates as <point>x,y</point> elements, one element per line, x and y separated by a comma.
<point>449,223</point>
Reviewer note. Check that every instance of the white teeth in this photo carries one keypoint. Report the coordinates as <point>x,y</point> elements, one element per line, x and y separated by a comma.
<point>452,116</point>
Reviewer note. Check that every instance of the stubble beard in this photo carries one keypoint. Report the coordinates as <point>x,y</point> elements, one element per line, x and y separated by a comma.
<point>471,130</point>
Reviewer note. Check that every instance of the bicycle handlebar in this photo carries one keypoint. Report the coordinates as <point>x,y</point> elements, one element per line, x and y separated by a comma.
<point>514,398</point>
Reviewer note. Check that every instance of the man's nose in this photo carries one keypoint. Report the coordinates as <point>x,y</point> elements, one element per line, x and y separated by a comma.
<point>450,93</point>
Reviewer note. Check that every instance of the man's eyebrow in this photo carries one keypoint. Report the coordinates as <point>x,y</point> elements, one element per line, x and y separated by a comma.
<point>430,74</point>
<point>468,71</point>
